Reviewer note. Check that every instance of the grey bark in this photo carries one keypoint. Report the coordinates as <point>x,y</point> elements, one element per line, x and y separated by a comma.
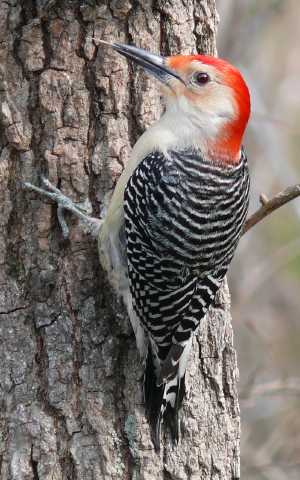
<point>70,376</point>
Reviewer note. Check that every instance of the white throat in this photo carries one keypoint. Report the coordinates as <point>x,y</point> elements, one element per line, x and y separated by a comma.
<point>182,126</point>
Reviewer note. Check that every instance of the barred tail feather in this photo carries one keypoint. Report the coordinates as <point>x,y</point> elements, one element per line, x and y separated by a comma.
<point>173,396</point>
<point>162,401</point>
<point>153,398</point>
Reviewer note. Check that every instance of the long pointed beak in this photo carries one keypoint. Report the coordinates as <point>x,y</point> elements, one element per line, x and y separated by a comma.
<point>153,64</point>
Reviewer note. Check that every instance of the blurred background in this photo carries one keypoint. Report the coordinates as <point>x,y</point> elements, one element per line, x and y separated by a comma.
<point>262,37</point>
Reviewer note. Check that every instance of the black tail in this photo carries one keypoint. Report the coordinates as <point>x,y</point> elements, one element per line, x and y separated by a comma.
<point>162,402</point>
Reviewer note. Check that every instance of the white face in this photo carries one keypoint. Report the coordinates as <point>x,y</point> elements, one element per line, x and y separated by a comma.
<point>199,110</point>
<point>205,96</point>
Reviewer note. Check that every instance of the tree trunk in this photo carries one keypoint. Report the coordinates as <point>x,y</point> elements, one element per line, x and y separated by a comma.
<point>70,376</point>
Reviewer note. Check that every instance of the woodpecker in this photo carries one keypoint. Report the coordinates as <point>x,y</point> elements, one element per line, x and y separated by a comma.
<point>176,216</point>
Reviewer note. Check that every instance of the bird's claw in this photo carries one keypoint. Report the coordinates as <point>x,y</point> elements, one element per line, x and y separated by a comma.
<point>50,185</point>
<point>64,203</point>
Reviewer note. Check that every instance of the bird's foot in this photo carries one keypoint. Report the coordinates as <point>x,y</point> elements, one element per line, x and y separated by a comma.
<point>91,224</point>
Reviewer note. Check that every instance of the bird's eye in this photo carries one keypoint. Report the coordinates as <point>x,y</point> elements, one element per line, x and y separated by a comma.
<point>201,78</point>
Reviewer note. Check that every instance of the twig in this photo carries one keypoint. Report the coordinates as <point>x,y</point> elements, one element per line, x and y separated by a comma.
<point>269,206</point>
<point>290,385</point>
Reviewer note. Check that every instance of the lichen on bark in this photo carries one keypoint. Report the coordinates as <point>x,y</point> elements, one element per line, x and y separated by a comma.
<point>70,376</point>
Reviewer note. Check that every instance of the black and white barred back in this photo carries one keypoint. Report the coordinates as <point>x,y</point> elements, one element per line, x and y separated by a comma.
<point>183,219</point>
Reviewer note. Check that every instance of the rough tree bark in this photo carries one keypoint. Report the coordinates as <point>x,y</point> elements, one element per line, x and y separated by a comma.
<point>70,376</point>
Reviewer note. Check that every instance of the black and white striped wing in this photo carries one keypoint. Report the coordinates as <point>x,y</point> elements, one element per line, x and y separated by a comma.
<point>183,218</point>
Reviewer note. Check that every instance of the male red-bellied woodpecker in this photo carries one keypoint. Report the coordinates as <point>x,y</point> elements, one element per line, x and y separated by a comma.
<point>181,204</point>
<point>176,216</point>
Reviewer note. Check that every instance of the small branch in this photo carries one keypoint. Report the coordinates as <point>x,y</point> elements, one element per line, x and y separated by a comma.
<point>269,206</point>
<point>290,385</point>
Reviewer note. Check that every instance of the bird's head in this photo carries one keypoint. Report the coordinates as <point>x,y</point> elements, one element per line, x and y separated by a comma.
<point>207,95</point>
